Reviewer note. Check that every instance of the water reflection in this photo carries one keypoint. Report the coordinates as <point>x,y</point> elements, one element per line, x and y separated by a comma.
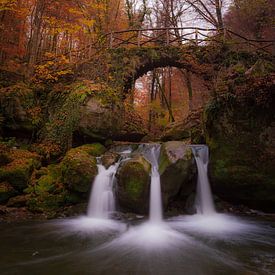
<point>185,245</point>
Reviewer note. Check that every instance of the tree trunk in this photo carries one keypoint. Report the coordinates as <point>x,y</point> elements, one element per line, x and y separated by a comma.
<point>219,14</point>
<point>171,117</point>
<point>36,33</point>
<point>187,76</point>
<point>152,97</point>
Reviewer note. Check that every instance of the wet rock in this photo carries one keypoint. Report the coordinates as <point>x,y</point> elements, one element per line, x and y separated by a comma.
<point>133,185</point>
<point>177,170</point>
<point>109,159</point>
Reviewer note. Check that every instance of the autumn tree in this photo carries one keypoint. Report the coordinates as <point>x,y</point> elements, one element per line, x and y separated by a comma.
<point>252,18</point>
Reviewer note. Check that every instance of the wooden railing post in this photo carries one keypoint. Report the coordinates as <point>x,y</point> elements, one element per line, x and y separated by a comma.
<point>139,37</point>
<point>224,34</point>
<point>167,37</point>
<point>111,40</point>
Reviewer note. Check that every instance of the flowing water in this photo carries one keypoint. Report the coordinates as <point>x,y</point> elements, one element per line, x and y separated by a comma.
<point>151,153</point>
<point>102,201</point>
<point>204,200</point>
<point>207,243</point>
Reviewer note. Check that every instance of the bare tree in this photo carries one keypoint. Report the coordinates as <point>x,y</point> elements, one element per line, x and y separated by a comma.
<point>209,10</point>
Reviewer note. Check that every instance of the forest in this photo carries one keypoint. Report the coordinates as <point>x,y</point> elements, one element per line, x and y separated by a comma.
<point>137,137</point>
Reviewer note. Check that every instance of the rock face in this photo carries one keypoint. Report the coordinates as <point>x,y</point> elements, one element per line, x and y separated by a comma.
<point>133,185</point>
<point>177,170</point>
<point>99,121</point>
<point>241,136</point>
<point>19,108</point>
<point>188,129</point>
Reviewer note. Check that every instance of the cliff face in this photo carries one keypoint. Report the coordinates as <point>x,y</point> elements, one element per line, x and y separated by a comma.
<point>240,131</point>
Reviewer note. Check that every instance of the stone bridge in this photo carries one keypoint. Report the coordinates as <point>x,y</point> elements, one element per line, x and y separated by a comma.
<point>124,65</point>
<point>124,56</point>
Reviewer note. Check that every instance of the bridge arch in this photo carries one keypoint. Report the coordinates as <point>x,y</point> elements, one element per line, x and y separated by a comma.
<point>136,62</point>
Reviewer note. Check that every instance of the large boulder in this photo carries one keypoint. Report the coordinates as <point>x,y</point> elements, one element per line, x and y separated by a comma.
<point>177,170</point>
<point>240,130</point>
<point>79,167</point>
<point>100,120</point>
<point>133,184</point>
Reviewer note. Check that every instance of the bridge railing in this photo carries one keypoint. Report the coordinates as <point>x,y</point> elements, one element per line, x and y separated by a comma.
<point>155,37</point>
<point>158,37</point>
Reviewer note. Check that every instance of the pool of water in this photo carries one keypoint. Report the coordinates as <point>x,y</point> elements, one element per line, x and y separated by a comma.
<point>196,245</point>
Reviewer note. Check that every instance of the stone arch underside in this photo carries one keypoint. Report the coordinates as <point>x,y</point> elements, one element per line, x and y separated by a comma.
<point>126,65</point>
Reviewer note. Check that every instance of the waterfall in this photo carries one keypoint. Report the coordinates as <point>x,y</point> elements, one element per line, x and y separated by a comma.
<point>151,153</point>
<point>204,199</point>
<point>102,201</point>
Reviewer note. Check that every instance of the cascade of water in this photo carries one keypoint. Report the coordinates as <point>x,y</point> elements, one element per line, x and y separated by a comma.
<point>102,201</point>
<point>151,153</point>
<point>204,199</point>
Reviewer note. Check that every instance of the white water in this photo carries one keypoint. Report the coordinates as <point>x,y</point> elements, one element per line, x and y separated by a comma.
<point>102,201</point>
<point>151,153</point>
<point>204,199</point>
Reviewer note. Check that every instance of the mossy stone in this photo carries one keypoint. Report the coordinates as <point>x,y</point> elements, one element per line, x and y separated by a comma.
<point>78,170</point>
<point>177,170</point>
<point>133,185</point>
<point>94,149</point>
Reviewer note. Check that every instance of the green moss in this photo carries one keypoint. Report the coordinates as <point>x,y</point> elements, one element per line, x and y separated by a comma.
<point>18,172</point>
<point>241,161</point>
<point>133,184</point>
<point>95,149</point>
<point>44,184</point>
<point>48,203</point>
<point>78,170</point>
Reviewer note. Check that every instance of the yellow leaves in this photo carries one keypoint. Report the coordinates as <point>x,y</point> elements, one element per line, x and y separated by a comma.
<point>87,22</point>
<point>7,4</point>
<point>52,70</point>
<point>75,11</point>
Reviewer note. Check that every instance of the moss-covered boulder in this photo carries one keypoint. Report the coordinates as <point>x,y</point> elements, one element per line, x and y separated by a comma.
<point>6,191</point>
<point>79,168</point>
<point>133,185</point>
<point>240,129</point>
<point>45,192</point>
<point>18,167</point>
<point>177,170</point>
<point>85,112</point>
<point>94,149</point>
